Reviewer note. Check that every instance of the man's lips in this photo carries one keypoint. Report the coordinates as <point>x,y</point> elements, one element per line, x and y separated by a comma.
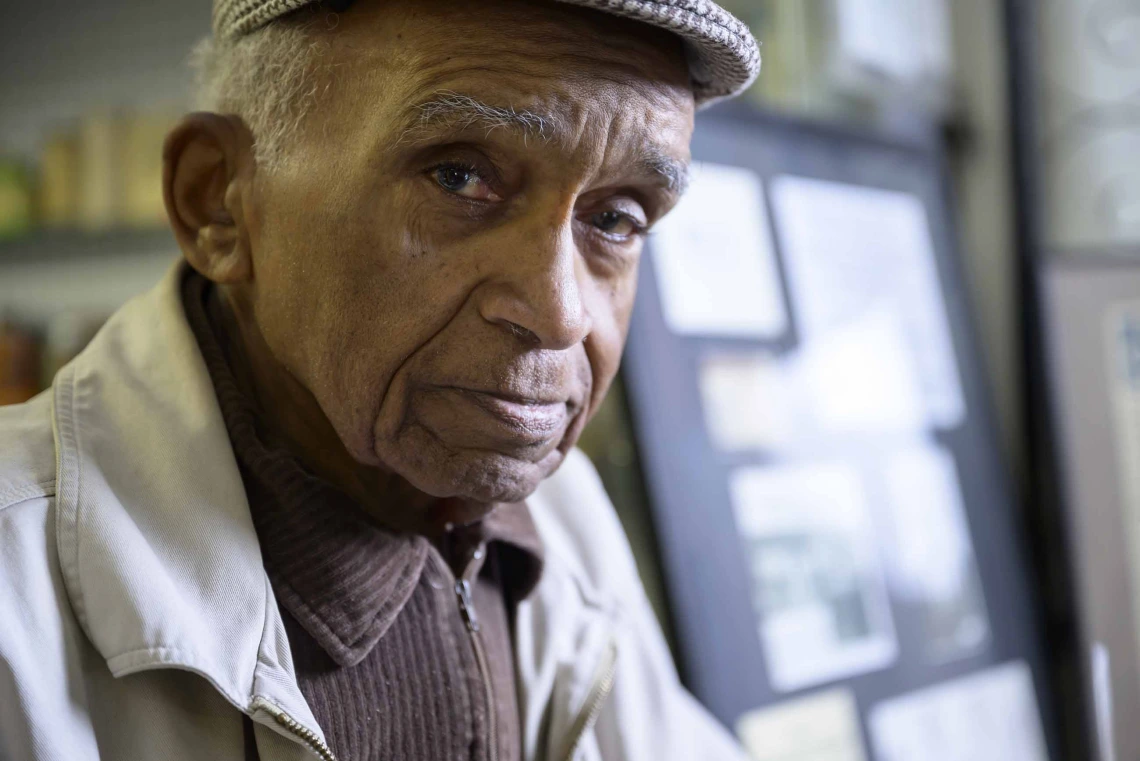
<point>539,418</point>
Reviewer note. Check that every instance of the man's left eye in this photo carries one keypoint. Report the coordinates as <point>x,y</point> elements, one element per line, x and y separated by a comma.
<point>463,181</point>
<point>616,223</point>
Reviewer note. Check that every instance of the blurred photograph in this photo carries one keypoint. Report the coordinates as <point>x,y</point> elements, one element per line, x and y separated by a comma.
<point>819,591</point>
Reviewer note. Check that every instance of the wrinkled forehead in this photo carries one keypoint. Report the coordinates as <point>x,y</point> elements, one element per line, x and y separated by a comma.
<point>545,57</point>
<point>545,73</point>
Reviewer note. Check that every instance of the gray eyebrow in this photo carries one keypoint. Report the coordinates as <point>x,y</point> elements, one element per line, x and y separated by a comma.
<point>673,172</point>
<point>456,110</point>
<point>447,109</point>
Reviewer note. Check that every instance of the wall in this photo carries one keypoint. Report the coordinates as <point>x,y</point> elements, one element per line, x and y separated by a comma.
<point>62,57</point>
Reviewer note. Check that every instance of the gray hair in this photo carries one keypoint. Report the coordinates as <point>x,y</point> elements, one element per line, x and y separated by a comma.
<point>266,77</point>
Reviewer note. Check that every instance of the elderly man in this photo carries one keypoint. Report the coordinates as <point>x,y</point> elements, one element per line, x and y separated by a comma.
<point>276,509</point>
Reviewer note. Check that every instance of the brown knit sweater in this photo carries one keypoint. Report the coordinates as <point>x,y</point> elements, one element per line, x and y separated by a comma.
<point>401,647</point>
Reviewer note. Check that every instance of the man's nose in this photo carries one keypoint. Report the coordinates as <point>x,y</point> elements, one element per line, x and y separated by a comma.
<point>538,292</point>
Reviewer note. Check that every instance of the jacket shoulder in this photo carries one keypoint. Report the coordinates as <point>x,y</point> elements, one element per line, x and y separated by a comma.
<point>580,527</point>
<point>43,651</point>
<point>27,451</point>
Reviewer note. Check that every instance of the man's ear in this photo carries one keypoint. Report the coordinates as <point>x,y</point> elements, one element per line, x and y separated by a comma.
<point>207,165</point>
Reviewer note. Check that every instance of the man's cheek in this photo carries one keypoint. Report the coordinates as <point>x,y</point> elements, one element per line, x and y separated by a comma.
<point>603,352</point>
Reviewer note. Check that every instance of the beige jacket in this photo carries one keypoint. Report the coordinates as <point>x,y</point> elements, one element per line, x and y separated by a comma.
<point>137,622</point>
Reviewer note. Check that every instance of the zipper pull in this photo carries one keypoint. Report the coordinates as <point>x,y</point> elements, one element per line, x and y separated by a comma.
<point>466,607</point>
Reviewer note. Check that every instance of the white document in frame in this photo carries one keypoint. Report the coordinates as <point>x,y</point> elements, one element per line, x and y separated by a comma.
<point>1101,670</point>
<point>715,262</point>
<point>1122,352</point>
<point>990,715</point>
<point>931,565</point>
<point>820,727</point>
<point>849,250</point>
<point>860,377</point>
<point>817,580</point>
<point>873,35</point>
<point>904,42</point>
<point>747,402</point>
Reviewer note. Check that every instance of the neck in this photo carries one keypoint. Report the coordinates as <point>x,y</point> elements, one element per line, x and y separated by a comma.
<point>289,416</point>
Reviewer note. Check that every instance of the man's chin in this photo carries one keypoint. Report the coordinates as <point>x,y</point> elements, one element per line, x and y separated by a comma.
<point>479,476</point>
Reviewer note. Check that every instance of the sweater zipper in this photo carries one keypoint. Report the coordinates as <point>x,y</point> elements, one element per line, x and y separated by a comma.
<point>467,611</point>
<point>595,699</point>
<point>307,737</point>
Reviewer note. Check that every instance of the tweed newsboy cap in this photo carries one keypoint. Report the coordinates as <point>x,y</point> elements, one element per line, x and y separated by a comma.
<point>723,55</point>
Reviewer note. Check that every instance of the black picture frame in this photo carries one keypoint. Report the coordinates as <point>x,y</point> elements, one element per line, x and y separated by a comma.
<point>687,479</point>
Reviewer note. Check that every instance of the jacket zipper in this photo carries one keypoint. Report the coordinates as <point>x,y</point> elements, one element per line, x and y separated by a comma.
<point>305,735</point>
<point>595,699</point>
<point>467,611</point>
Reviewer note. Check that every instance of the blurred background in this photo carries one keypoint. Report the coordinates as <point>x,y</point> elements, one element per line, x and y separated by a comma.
<point>877,439</point>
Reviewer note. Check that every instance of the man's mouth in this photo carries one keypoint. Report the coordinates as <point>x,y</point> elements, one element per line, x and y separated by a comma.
<point>539,417</point>
<point>497,420</point>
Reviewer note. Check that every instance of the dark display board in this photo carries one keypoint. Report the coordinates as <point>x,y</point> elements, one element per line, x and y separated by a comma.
<point>715,570</point>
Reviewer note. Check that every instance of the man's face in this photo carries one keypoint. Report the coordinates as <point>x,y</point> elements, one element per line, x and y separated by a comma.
<point>448,259</point>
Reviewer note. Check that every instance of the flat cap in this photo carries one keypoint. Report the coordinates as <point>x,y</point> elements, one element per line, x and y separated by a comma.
<point>724,57</point>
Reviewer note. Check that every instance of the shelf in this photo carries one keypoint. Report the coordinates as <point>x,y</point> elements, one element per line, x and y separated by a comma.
<point>61,246</point>
<point>46,273</point>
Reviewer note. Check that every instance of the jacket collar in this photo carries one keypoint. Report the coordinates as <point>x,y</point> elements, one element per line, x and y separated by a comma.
<point>156,543</point>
